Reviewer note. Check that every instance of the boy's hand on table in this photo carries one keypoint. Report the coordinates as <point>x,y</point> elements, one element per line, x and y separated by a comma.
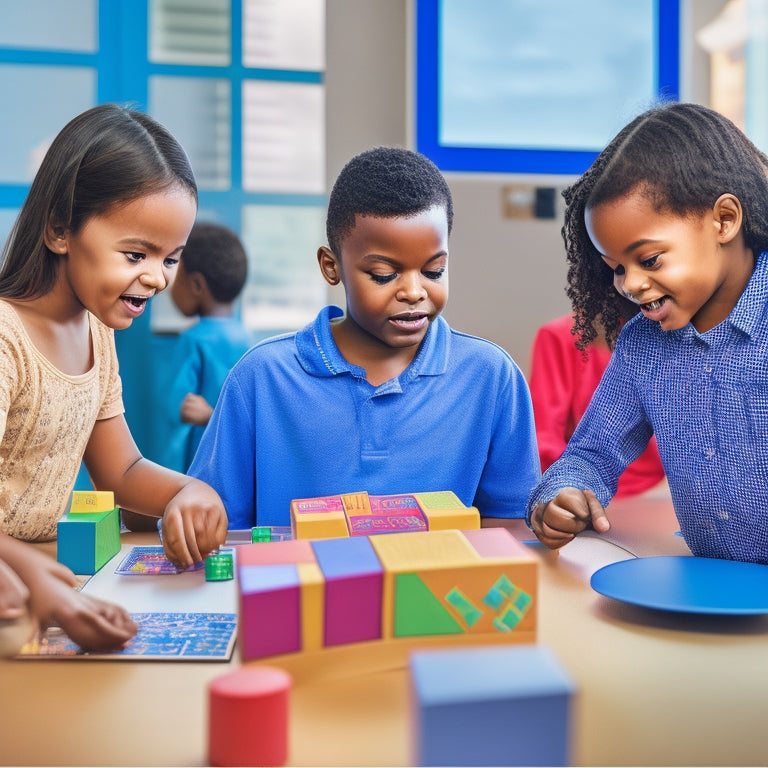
<point>194,524</point>
<point>567,515</point>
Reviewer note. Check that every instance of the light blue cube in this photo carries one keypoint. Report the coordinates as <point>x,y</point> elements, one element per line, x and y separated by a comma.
<point>490,705</point>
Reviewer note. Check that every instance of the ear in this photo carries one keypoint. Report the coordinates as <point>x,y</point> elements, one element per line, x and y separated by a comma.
<point>56,238</point>
<point>329,265</point>
<point>728,217</point>
<point>197,282</point>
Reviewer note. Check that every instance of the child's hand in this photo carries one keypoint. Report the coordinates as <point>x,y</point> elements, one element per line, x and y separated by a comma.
<point>93,624</point>
<point>195,410</point>
<point>194,524</point>
<point>13,594</point>
<point>568,514</point>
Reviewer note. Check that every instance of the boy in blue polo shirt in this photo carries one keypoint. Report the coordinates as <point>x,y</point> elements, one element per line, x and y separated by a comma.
<point>386,397</point>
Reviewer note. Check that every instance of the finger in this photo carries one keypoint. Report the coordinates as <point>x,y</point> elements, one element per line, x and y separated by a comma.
<point>190,536</point>
<point>174,541</point>
<point>597,512</point>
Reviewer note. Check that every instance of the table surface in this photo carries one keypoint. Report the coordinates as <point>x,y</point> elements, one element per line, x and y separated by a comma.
<point>654,688</point>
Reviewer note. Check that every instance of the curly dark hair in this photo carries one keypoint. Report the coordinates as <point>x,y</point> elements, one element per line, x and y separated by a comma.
<point>681,157</point>
<point>217,253</point>
<point>385,182</point>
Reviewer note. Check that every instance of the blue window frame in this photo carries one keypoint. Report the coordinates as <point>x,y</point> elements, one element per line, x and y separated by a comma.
<point>492,54</point>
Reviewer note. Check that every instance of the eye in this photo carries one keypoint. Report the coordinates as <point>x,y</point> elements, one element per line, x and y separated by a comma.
<point>649,263</point>
<point>170,261</point>
<point>134,257</point>
<point>434,274</point>
<point>382,279</point>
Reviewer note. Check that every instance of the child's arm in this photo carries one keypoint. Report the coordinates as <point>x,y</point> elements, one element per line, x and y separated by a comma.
<point>194,519</point>
<point>93,624</point>
<point>567,515</point>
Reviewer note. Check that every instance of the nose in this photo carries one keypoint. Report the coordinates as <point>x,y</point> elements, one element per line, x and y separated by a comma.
<point>631,281</point>
<point>154,276</point>
<point>411,288</point>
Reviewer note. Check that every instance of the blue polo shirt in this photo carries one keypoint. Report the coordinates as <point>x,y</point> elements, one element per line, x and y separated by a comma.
<point>705,397</point>
<point>296,420</point>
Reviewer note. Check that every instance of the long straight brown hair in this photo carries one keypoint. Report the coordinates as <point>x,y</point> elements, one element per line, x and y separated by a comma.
<point>107,155</point>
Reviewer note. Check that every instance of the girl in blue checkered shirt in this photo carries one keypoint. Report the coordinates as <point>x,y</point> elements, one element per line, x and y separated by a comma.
<point>672,217</point>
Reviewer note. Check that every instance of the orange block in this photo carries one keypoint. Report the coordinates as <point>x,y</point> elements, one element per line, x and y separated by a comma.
<point>320,518</point>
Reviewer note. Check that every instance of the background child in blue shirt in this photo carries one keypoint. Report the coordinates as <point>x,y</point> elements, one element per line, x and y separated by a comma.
<point>673,215</point>
<point>386,397</point>
<point>209,279</point>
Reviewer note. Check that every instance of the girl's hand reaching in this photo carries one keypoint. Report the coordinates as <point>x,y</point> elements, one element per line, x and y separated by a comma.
<point>93,624</point>
<point>567,515</point>
<point>194,524</point>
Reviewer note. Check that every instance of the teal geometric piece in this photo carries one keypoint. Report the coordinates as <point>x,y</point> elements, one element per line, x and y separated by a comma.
<point>507,620</point>
<point>464,606</point>
<point>523,601</point>
<point>501,590</point>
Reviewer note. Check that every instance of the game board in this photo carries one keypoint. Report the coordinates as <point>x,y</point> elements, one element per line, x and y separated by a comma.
<point>149,561</point>
<point>161,636</point>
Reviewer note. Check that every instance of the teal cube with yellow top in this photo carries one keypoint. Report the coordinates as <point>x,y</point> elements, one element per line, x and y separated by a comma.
<point>88,540</point>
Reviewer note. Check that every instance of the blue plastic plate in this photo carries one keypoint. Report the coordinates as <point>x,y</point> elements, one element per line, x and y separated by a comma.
<point>686,584</point>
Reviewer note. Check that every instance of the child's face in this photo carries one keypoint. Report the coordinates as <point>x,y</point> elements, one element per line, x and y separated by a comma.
<point>118,260</point>
<point>678,269</point>
<point>395,275</point>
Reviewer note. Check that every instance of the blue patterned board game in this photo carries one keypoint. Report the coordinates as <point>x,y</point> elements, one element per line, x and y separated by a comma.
<point>149,561</point>
<point>161,636</point>
<point>686,584</point>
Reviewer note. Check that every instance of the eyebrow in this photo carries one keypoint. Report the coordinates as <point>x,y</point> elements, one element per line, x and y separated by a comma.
<point>640,243</point>
<point>148,245</point>
<point>394,262</point>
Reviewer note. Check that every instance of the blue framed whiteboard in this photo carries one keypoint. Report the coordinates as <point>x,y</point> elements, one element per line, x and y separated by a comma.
<point>525,86</point>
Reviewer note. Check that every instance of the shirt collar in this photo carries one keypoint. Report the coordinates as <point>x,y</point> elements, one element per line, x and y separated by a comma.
<point>750,308</point>
<point>319,355</point>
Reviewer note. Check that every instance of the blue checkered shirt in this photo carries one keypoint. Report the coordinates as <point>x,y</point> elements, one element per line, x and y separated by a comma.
<point>705,397</point>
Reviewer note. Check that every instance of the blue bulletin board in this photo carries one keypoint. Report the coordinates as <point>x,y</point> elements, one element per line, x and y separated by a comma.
<point>524,86</point>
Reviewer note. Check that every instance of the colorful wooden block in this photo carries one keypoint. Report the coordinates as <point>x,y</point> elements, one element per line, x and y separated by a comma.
<point>353,588</point>
<point>444,511</point>
<point>457,582</point>
<point>87,540</point>
<point>385,514</point>
<point>320,518</point>
<point>286,552</point>
<point>92,501</point>
<point>270,609</point>
<point>360,514</point>
<point>490,705</point>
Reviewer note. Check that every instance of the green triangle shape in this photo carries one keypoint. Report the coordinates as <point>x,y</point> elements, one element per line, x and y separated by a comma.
<point>418,611</point>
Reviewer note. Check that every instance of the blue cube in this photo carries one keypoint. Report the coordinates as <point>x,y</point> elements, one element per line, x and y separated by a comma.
<point>490,705</point>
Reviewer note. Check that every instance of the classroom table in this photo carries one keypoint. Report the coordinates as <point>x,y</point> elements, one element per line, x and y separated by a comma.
<point>654,688</point>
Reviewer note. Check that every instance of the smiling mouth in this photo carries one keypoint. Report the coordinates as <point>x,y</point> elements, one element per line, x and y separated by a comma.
<point>652,306</point>
<point>137,301</point>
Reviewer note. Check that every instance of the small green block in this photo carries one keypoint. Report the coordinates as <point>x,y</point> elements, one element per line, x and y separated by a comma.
<point>219,567</point>
<point>261,533</point>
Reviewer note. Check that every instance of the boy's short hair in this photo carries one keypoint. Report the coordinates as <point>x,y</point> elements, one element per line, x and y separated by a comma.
<point>385,182</point>
<point>215,252</point>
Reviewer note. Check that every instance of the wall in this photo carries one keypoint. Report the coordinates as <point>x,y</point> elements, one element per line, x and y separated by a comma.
<point>507,275</point>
